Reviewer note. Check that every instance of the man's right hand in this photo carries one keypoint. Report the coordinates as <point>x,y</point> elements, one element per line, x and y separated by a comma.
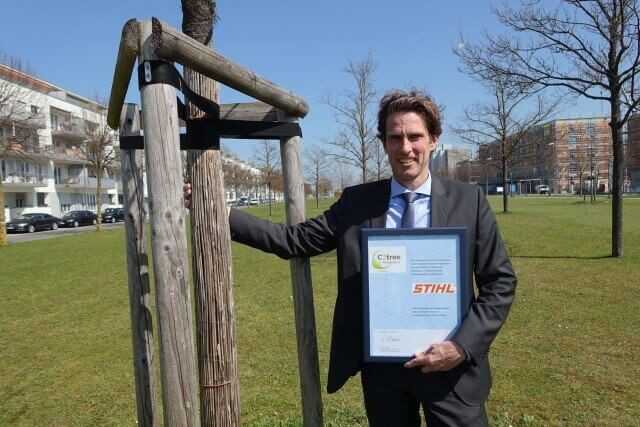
<point>186,189</point>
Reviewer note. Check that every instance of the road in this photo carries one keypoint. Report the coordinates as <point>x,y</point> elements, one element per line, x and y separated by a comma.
<point>43,235</point>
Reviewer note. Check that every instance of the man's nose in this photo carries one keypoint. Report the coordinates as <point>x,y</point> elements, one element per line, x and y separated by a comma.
<point>405,145</point>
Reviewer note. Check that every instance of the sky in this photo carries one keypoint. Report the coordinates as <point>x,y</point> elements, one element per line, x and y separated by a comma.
<point>302,46</point>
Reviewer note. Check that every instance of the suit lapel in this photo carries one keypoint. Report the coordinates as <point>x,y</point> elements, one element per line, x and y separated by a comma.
<point>380,205</point>
<point>439,203</point>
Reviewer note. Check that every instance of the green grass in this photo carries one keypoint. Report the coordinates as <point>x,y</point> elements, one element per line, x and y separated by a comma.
<point>567,356</point>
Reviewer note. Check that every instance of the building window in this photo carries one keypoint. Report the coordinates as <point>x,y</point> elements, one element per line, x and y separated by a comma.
<point>19,201</point>
<point>590,129</point>
<point>58,175</point>
<point>42,200</point>
<point>34,109</point>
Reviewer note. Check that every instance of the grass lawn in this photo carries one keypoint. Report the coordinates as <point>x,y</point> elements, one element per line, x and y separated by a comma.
<point>567,356</point>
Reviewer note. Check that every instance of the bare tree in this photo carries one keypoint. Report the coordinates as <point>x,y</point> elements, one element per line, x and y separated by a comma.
<point>590,48</point>
<point>316,167</point>
<point>343,176</point>
<point>19,118</point>
<point>379,161</point>
<point>500,120</point>
<point>98,150</point>
<point>268,159</point>
<point>353,143</point>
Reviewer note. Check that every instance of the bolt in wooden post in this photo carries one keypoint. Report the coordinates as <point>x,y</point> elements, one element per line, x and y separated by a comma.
<point>307,341</point>
<point>138,274</point>
<point>169,245</point>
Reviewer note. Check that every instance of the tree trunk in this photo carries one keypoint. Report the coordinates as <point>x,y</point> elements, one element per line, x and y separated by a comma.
<point>505,189</point>
<point>3,230</point>
<point>98,194</point>
<point>617,249</point>
<point>211,254</point>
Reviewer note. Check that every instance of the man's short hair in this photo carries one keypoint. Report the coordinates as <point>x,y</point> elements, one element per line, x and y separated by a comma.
<point>416,101</point>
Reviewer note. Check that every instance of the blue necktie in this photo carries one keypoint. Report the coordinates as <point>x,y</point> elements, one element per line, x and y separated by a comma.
<point>409,216</point>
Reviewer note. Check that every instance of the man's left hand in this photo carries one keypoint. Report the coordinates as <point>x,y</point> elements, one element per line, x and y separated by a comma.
<point>438,357</point>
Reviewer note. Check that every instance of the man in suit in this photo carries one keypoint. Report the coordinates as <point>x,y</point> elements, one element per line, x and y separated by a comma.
<point>449,380</point>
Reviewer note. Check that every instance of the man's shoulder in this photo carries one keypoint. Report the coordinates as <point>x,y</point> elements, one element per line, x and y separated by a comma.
<point>455,187</point>
<point>366,189</point>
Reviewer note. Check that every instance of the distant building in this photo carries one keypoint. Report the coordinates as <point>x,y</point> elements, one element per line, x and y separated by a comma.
<point>444,161</point>
<point>243,180</point>
<point>45,171</point>
<point>568,155</point>
<point>632,155</point>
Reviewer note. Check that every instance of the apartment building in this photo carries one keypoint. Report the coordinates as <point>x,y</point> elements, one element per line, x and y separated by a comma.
<point>445,159</point>
<point>42,168</point>
<point>632,155</point>
<point>568,155</point>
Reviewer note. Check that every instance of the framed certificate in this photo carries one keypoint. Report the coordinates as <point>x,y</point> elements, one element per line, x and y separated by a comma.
<point>414,285</point>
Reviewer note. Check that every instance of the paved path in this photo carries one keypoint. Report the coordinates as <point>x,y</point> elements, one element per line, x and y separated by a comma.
<point>43,235</point>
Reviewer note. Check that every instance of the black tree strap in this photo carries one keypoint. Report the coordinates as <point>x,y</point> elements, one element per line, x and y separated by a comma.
<point>205,132</point>
<point>150,72</point>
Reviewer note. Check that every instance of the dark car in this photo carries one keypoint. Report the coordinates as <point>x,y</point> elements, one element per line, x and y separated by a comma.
<point>113,215</point>
<point>30,222</point>
<point>78,218</point>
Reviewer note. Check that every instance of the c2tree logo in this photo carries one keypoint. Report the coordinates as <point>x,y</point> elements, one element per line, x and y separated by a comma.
<point>391,259</point>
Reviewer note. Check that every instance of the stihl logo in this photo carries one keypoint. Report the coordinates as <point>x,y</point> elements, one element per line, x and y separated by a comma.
<point>434,288</point>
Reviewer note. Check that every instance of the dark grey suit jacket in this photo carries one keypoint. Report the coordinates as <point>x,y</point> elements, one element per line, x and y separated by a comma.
<point>452,204</point>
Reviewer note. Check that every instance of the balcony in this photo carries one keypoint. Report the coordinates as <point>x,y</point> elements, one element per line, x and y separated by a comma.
<point>21,181</point>
<point>80,182</point>
<point>20,117</point>
<point>73,129</point>
<point>62,154</point>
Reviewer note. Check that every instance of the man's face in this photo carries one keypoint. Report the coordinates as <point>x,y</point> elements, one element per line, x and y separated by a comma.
<point>409,146</point>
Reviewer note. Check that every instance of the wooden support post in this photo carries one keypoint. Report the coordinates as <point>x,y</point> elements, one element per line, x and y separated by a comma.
<point>127,53</point>
<point>172,45</point>
<point>308,364</point>
<point>169,245</point>
<point>138,274</point>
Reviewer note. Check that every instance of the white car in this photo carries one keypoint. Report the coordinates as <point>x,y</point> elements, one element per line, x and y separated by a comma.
<point>543,189</point>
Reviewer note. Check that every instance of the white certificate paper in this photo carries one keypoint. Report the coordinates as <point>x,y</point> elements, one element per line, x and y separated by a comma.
<point>412,290</point>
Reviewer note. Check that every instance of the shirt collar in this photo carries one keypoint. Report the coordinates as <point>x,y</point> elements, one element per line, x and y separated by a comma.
<point>397,188</point>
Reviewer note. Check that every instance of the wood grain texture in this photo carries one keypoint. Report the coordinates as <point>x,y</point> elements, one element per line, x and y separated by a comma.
<point>251,111</point>
<point>172,45</point>
<point>127,53</point>
<point>138,275</point>
<point>307,341</point>
<point>169,245</point>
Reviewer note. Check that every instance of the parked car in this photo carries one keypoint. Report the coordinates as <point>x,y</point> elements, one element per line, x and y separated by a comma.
<point>254,202</point>
<point>543,189</point>
<point>30,222</point>
<point>113,215</point>
<point>78,218</point>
